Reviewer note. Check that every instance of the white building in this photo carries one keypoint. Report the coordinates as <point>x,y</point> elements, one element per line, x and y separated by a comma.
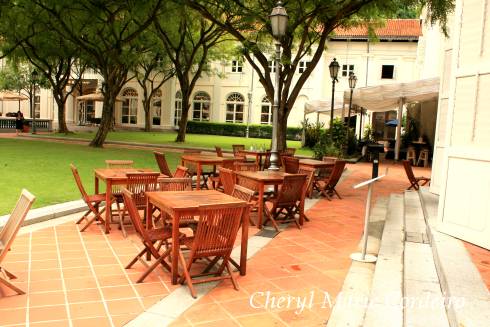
<point>392,58</point>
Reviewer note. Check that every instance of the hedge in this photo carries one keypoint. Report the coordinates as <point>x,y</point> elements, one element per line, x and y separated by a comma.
<point>229,129</point>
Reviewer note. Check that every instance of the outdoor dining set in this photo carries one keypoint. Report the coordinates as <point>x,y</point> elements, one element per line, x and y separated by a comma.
<point>199,208</point>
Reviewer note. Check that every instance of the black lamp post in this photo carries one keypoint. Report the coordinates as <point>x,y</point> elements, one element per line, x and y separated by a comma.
<point>334,71</point>
<point>34,76</point>
<point>279,23</point>
<point>352,86</point>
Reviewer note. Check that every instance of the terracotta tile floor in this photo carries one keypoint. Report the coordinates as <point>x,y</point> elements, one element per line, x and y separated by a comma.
<point>80,277</point>
<point>481,259</point>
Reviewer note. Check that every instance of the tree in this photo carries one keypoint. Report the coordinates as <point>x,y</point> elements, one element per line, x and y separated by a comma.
<point>310,23</point>
<point>106,33</point>
<point>152,70</point>
<point>188,40</point>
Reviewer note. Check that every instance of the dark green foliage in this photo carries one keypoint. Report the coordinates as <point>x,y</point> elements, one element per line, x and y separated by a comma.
<point>313,133</point>
<point>228,129</point>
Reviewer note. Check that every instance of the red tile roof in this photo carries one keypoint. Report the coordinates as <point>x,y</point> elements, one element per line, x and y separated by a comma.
<point>394,28</point>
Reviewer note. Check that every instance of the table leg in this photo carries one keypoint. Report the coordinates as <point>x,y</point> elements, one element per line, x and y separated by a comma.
<point>175,249</point>
<point>244,243</point>
<point>96,184</point>
<point>198,177</point>
<point>108,204</point>
<point>149,209</point>
<point>261,205</point>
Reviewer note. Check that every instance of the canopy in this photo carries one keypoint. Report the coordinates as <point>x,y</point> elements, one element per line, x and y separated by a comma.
<point>387,96</point>
<point>322,106</point>
<point>12,96</point>
<point>97,96</point>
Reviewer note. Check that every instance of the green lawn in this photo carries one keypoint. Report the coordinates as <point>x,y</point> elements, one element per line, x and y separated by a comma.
<point>43,169</point>
<point>192,140</point>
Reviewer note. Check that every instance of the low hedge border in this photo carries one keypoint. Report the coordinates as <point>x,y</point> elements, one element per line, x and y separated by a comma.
<point>229,129</point>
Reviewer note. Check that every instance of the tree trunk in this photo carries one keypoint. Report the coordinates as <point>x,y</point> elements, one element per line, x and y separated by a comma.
<point>62,127</point>
<point>148,117</point>
<point>106,121</point>
<point>184,117</point>
<point>282,125</point>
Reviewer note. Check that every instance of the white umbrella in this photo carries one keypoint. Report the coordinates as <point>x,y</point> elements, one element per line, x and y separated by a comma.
<point>97,96</point>
<point>12,96</point>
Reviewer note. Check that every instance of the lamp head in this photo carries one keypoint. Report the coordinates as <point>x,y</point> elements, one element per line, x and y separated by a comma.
<point>334,69</point>
<point>352,81</point>
<point>279,20</point>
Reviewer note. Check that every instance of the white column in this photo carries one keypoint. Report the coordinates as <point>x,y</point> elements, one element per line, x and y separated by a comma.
<point>399,129</point>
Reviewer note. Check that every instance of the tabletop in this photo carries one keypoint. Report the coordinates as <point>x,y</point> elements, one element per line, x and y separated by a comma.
<point>204,158</point>
<point>316,163</point>
<point>185,200</point>
<point>254,151</point>
<point>264,175</point>
<point>120,173</point>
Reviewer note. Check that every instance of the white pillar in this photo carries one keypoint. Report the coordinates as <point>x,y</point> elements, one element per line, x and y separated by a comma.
<point>399,129</point>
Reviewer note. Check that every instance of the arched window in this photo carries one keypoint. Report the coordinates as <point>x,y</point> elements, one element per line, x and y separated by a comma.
<point>201,106</point>
<point>178,108</point>
<point>130,106</point>
<point>156,107</point>
<point>266,111</point>
<point>234,108</point>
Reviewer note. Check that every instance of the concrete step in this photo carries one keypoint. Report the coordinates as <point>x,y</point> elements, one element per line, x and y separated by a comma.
<point>386,289</point>
<point>415,227</point>
<point>350,306</point>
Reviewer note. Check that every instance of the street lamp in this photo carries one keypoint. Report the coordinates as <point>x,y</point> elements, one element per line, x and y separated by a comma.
<point>279,24</point>
<point>34,76</point>
<point>352,86</point>
<point>334,70</point>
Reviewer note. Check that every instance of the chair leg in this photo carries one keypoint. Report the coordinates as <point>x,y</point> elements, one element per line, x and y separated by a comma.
<point>186,276</point>
<point>336,193</point>
<point>232,276</point>
<point>11,286</point>
<point>84,217</point>
<point>135,259</point>
<point>158,262</point>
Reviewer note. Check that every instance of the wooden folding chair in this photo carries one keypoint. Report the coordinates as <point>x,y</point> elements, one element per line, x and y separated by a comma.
<point>92,201</point>
<point>181,172</point>
<point>138,184</point>
<point>9,232</point>
<point>415,182</point>
<point>237,148</point>
<point>327,186</point>
<point>227,179</point>
<point>162,164</point>
<point>287,203</point>
<point>216,180</point>
<point>246,166</point>
<point>291,164</point>
<point>215,237</point>
<point>219,151</point>
<point>152,239</point>
<point>310,177</point>
<point>116,189</point>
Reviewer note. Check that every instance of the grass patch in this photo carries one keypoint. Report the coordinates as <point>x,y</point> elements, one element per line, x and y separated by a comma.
<point>43,169</point>
<point>192,140</point>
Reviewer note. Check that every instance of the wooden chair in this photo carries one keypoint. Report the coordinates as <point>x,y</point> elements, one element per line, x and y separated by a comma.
<point>138,184</point>
<point>175,184</point>
<point>310,178</point>
<point>411,155</point>
<point>423,157</point>
<point>162,164</point>
<point>237,148</point>
<point>119,163</point>
<point>227,179</point>
<point>267,160</point>
<point>415,182</point>
<point>92,201</point>
<point>181,172</point>
<point>327,185</point>
<point>246,166</point>
<point>9,232</point>
<point>152,239</point>
<point>215,237</point>
<point>291,164</point>
<point>287,203</point>
<point>116,191</point>
<point>248,195</point>
<point>219,151</point>
<point>216,180</point>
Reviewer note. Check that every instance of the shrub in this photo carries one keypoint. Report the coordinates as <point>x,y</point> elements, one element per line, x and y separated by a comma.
<point>313,133</point>
<point>229,129</point>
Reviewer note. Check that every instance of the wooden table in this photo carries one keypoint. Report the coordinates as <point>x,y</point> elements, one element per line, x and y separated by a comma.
<point>186,203</point>
<point>258,154</point>
<point>262,178</point>
<point>114,176</point>
<point>201,160</point>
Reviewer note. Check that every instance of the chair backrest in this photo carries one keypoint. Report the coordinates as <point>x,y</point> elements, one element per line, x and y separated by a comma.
<point>228,163</point>
<point>242,193</point>
<point>181,171</point>
<point>289,152</point>
<point>245,166</point>
<point>228,179</point>
<point>139,183</point>
<point>219,151</point>
<point>78,180</point>
<point>217,229</point>
<point>11,228</point>
<point>267,160</point>
<point>337,171</point>
<point>291,165</point>
<point>291,190</point>
<point>189,151</point>
<point>329,159</point>
<point>310,176</point>
<point>130,205</point>
<point>162,163</point>
<point>119,163</point>
<point>236,151</point>
<point>409,171</point>
<point>176,184</point>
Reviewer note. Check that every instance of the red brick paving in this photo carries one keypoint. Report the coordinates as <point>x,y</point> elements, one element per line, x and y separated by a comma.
<point>481,259</point>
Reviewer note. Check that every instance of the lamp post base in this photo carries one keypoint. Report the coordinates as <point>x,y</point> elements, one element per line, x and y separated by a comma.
<point>367,258</point>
